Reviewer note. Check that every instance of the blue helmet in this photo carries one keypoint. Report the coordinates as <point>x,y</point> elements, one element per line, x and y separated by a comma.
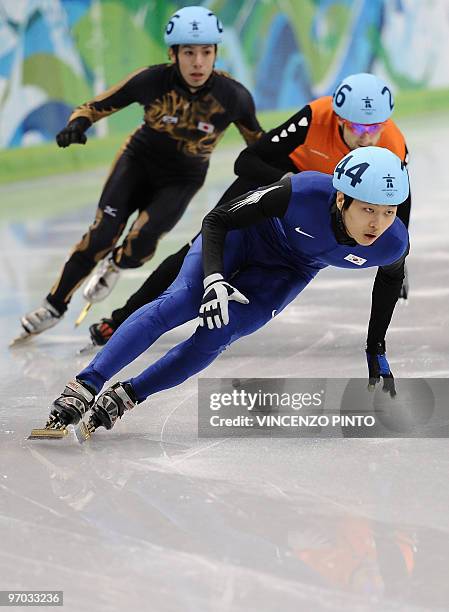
<point>363,98</point>
<point>374,175</point>
<point>193,25</point>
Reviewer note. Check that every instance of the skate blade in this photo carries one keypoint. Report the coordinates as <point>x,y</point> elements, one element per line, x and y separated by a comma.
<point>89,348</point>
<point>24,337</point>
<point>48,434</point>
<point>83,314</point>
<point>82,433</point>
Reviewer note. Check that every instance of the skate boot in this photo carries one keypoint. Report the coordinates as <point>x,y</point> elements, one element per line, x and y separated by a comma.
<point>102,281</point>
<point>110,405</point>
<point>68,409</point>
<point>37,321</point>
<point>102,331</point>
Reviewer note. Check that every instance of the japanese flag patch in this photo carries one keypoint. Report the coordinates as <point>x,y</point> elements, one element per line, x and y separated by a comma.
<point>355,259</point>
<point>206,127</point>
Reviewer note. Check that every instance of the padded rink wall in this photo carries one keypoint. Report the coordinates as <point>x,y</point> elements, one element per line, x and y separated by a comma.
<point>55,54</point>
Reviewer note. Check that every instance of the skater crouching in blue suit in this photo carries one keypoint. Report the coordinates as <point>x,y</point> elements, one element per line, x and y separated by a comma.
<point>255,255</point>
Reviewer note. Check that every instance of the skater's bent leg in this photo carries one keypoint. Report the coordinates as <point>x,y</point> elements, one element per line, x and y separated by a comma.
<point>153,287</point>
<point>114,208</point>
<point>162,214</point>
<point>95,244</point>
<point>184,360</point>
<point>180,303</point>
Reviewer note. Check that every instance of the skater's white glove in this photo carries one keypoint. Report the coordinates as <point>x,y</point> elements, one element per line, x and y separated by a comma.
<point>214,305</point>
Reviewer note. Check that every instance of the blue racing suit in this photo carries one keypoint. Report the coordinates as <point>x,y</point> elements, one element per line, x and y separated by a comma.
<point>272,242</point>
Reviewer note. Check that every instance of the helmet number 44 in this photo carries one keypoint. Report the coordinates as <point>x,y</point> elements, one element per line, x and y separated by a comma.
<point>354,172</point>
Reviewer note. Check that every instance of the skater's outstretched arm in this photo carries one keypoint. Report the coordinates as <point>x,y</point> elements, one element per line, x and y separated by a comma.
<point>251,208</point>
<point>118,96</point>
<point>387,286</point>
<point>114,99</point>
<point>255,206</point>
<point>268,159</point>
<point>247,122</point>
<point>386,290</point>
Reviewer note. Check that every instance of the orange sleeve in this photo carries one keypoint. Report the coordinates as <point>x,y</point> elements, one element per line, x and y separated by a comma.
<point>393,139</point>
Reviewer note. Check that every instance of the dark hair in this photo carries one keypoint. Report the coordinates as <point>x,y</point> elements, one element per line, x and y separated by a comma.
<point>347,202</point>
<point>176,49</point>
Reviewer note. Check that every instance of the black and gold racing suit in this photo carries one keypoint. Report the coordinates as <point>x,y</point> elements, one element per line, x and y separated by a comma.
<point>160,166</point>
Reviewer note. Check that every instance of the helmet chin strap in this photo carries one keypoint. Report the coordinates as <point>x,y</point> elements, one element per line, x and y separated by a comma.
<point>341,221</point>
<point>342,134</point>
<point>340,216</point>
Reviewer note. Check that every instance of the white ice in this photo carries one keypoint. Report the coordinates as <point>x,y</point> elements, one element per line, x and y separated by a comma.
<point>150,517</point>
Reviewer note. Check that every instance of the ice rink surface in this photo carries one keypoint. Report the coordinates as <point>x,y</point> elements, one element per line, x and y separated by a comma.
<point>149,517</point>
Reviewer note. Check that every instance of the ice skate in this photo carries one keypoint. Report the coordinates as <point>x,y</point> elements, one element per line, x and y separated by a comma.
<point>99,335</point>
<point>110,405</point>
<point>102,281</point>
<point>68,409</point>
<point>99,286</point>
<point>20,339</point>
<point>88,349</point>
<point>37,321</point>
<point>101,332</point>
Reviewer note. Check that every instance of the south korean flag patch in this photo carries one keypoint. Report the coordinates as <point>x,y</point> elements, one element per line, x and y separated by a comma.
<point>355,259</point>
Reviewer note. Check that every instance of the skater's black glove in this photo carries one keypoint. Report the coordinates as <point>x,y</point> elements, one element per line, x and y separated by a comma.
<point>405,286</point>
<point>73,133</point>
<point>378,367</point>
<point>214,305</point>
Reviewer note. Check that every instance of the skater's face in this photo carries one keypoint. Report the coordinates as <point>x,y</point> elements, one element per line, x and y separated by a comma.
<point>365,222</point>
<point>195,62</point>
<point>358,135</point>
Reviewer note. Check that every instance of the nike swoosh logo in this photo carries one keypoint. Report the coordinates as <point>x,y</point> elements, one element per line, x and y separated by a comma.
<point>299,230</point>
<point>273,312</point>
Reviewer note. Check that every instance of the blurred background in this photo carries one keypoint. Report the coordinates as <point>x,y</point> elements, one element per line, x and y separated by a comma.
<point>55,54</point>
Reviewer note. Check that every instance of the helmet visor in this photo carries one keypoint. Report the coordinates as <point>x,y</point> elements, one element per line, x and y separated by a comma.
<point>362,128</point>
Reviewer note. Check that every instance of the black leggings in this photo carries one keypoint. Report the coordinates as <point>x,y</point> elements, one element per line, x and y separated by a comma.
<point>131,186</point>
<point>168,270</point>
